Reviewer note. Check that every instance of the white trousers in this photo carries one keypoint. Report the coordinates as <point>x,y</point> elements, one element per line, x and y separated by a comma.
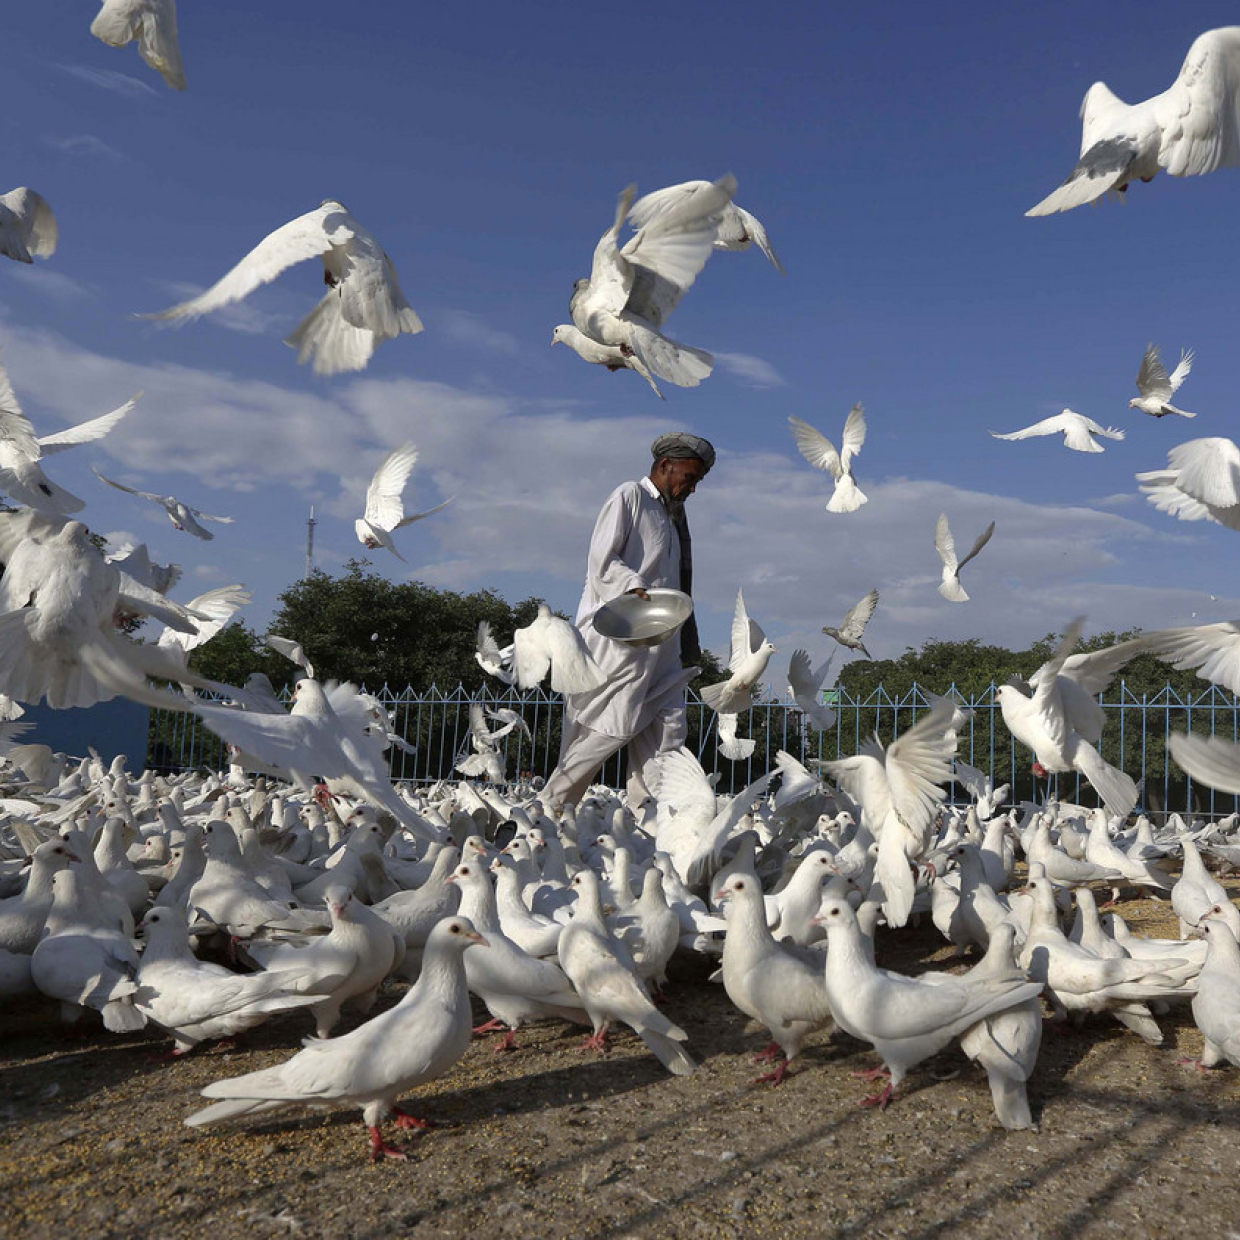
<point>583,752</point>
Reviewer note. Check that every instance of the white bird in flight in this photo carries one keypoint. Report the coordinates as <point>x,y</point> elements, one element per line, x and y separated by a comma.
<point>21,474</point>
<point>1157,387</point>
<point>738,229</point>
<point>1190,129</point>
<point>179,513</point>
<point>613,356</point>
<point>385,507</point>
<point>750,654</point>
<point>154,24</point>
<point>28,229</point>
<point>950,587</point>
<point>363,306</point>
<point>1201,482</point>
<point>549,643</point>
<point>820,452</point>
<point>806,684</point>
<point>1078,431</point>
<point>631,291</point>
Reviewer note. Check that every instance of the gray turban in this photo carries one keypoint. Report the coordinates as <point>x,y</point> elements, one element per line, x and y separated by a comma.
<point>680,445</point>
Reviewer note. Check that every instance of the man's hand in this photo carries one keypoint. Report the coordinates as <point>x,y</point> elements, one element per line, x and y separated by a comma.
<point>641,593</point>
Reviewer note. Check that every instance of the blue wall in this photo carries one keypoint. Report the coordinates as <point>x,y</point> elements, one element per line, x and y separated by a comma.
<point>119,726</point>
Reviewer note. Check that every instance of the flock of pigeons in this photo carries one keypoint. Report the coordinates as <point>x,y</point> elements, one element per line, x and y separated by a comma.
<point>311,883</point>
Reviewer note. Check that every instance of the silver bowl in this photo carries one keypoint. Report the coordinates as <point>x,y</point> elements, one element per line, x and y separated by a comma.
<point>633,621</point>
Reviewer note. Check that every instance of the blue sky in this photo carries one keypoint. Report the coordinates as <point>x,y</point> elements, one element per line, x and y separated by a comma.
<point>891,157</point>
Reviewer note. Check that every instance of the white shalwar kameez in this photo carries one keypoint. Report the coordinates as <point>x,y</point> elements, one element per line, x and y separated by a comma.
<point>642,703</point>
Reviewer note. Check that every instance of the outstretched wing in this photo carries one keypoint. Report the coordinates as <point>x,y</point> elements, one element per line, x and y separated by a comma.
<point>854,434</point>
<point>982,539</point>
<point>384,506</point>
<point>1152,378</point>
<point>86,432</point>
<point>815,447</point>
<point>859,616</point>
<point>120,486</point>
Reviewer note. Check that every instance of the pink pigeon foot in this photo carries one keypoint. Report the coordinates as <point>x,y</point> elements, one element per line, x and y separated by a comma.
<point>1186,1060</point>
<point>773,1078</point>
<point>770,1054</point>
<point>492,1026</point>
<point>379,1148</point>
<point>872,1074</point>
<point>506,1043</point>
<point>405,1120</point>
<point>596,1042</point>
<point>881,1100</point>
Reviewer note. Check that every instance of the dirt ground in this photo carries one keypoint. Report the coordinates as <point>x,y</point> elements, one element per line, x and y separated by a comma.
<point>554,1141</point>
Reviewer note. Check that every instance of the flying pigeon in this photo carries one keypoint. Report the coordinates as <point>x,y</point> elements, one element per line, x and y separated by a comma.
<point>950,587</point>
<point>385,508</point>
<point>1157,387</point>
<point>28,229</point>
<point>154,24</point>
<point>182,516</point>
<point>820,452</point>
<point>853,627</point>
<point>1078,431</point>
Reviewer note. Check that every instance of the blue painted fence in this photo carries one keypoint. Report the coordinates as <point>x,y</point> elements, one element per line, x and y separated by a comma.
<point>438,724</point>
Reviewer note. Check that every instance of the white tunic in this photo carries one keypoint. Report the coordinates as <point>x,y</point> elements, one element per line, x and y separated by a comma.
<point>634,544</point>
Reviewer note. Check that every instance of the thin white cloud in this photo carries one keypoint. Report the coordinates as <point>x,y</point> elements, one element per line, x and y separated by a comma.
<point>85,145</point>
<point>53,285</point>
<point>108,79</point>
<point>751,371</point>
<point>464,328</point>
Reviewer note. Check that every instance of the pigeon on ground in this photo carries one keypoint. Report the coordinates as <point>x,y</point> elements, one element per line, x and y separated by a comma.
<point>154,24</point>
<point>1192,128</point>
<point>1157,387</point>
<point>195,1001</point>
<point>363,306</point>
<point>604,976</point>
<point>750,654</point>
<point>1078,431</point>
<point>950,587</point>
<point>28,229</point>
<point>416,1041</point>
<point>737,228</point>
<point>631,291</point>
<point>820,452</point>
<point>1216,1005</point>
<point>182,516</point>
<point>385,506</point>
<point>777,984</point>
<point>905,1019</point>
<point>850,632</point>
<point>22,916</point>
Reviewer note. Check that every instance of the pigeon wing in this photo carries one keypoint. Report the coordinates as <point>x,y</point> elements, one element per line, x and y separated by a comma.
<point>815,447</point>
<point>384,505</point>
<point>1048,426</point>
<point>86,432</point>
<point>120,486</point>
<point>1152,378</point>
<point>982,539</point>
<point>1209,471</point>
<point>854,434</point>
<point>1200,115</point>
<point>1180,373</point>
<point>15,427</point>
<point>944,542</point>
<point>859,616</point>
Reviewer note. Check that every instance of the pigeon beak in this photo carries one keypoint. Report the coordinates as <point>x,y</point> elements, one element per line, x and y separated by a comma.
<point>74,857</point>
<point>477,938</point>
<point>722,895</point>
<point>450,879</point>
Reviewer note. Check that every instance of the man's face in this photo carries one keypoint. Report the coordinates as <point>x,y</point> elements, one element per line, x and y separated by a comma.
<point>678,478</point>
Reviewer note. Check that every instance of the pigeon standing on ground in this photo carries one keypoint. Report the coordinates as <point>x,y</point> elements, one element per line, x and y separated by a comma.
<point>363,306</point>
<point>820,452</point>
<point>1216,1005</point>
<point>1157,387</point>
<point>385,506</point>
<point>416,1041</point>
<point>1192,128</point>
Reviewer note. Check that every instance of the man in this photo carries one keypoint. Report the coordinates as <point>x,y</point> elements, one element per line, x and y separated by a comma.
<point>640,541</point>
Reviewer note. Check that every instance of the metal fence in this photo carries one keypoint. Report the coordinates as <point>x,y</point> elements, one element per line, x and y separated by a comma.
<point>437,723</point>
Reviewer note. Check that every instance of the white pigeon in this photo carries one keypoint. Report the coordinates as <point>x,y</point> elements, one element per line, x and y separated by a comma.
<point>905,1019</point>
<point>604,976</point>
<point>1216,1005</point>
<point>737,229</point>
<point>195,1001</point>
<point>1192,128</point>
<point>820,452</point>
<point>1078,431</point>
<point>852,629</point>
<point>291,650</point>
<point>631,291</point>
<point>182,516</point>
<point>1157,387</point>
<point>21,451</point>
<point>212,611</point>
<point>806,685</point>
<point>363,306</point>
<point>416,1041</point>
<point>1062,722</point>
<point>899,790</point>
<point>731,746</point>
<point>780,985</point>
<point>613,356</point>
<point>550,644</point>
<point>1201,482</point>
<point>1211,760</point>
<point>154,24</point>
<point>494,661</point>
<point>385,507</point>
<point>950,587</point>
<point>750,653</point>
<point>28,229</point>
<point>84,960</point>
<point>136,562</point>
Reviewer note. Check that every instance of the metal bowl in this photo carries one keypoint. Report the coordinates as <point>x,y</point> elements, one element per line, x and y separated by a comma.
<point>633,621</point>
